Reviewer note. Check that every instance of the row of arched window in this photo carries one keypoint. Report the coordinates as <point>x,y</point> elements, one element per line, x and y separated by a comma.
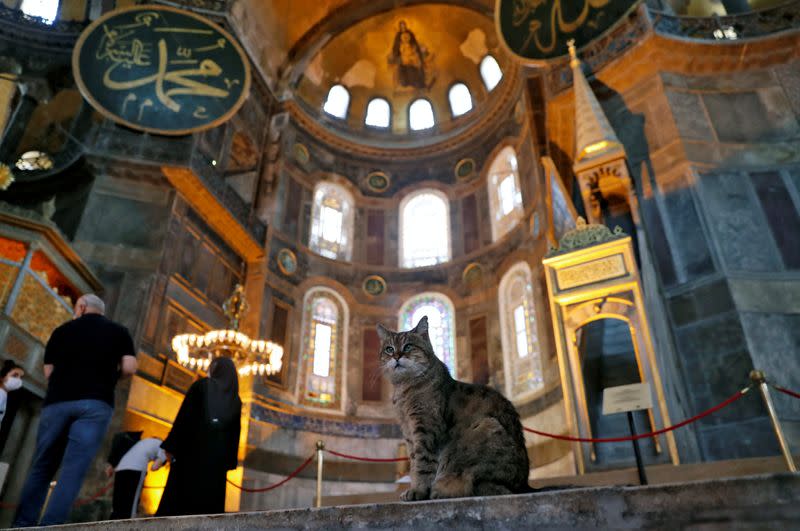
<point>326,317</point>
<point>420,112</point>
<point>424,217</point>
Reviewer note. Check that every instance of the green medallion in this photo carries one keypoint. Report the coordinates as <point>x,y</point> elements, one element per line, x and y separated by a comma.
<point>161,70</point>
<point>538,30</point>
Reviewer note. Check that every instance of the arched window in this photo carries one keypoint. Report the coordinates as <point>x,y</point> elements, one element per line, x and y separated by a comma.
<point>378,113</point>
<point>44,9</point>
<point>332,222</point>
<point>460,99</point>
<point>521,353</point>
<point>420,115</point>
<point>325,318</point>
<point>337,101</point>
<point>441,324</point>
<point>424,229</point>
<point>505,198</point>
<point>490,72</point>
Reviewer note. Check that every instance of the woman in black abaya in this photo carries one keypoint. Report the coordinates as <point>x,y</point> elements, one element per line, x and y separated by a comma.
<point>203,444</point>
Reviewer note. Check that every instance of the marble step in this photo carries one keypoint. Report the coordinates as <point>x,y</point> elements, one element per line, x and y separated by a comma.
<point>754,502</point>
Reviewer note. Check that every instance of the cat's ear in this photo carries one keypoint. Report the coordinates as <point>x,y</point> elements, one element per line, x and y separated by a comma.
<point>383,333</point>
<point>422,326</point>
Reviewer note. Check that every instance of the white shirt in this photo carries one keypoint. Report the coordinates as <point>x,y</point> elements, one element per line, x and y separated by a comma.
<point>3,401</point>
<point>142,453</point>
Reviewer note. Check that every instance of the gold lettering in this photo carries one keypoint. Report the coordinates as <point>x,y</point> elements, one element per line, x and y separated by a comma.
<point>220,44</point>
<point>146,103</point>
<point>200,112</point>
<point>522,10</point>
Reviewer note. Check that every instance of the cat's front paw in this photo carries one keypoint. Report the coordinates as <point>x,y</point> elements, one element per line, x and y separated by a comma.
<point>415,494</point>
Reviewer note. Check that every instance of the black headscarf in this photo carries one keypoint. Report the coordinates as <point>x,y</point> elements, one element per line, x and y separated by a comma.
<point>223,390</point>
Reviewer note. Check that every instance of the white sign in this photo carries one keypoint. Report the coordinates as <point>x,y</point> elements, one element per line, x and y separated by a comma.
<point>626,398</point>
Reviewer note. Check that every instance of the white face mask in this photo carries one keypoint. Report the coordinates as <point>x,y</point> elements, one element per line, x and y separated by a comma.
<point>13,383</point>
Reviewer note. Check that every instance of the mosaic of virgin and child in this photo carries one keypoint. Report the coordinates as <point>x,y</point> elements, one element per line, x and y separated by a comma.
<point>412,61</point>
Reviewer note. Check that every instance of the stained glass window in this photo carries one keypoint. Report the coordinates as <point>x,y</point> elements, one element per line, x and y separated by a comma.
<point>490,72</point>
<point>505,197</point>
<point>460,99</point>
<point>441,324</point>
<point>332,222</point>
<point>378,113</point>
<point>420,115</point>
<point>521,352</point>
<point>44,9</point>
<point>324,332</point>
<point>337,101</point>
<point>424,229</point>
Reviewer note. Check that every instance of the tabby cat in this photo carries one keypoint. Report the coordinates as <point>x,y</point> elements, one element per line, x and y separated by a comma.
<point>463,439</point>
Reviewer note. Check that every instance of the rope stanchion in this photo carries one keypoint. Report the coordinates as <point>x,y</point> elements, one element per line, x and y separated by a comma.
<point>707,412</point>
<point>278,484</point>
<point>368,459</point>
<point>83,501</point>
<point>785,391</point>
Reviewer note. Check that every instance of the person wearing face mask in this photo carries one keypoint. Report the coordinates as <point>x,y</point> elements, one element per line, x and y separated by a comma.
<point>83,360</point>
<point>10,380</point>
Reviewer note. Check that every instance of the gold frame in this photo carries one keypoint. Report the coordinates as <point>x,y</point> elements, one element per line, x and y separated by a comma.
<point>382,174</point>
<point>379,279</point>
<point>611,294</point>
<point>462,162</point>
<point>283,270</point>
<point>149,7</point>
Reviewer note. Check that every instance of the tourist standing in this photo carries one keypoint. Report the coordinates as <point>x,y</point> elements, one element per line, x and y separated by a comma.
<point>203,444</point>
<point>83,360</point>
<point>10,380</point>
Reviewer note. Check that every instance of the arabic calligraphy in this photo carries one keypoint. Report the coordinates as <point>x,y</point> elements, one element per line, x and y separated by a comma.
<point>161,69</point>
<point>539,29</point>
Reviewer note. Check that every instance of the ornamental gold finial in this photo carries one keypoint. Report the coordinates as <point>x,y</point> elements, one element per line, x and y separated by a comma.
<point>235,307</point>
<point>573,54</point>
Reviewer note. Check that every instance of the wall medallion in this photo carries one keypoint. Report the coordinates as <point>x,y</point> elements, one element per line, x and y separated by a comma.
<point>374,286</point>
<point>287,262</point>
<point>300,153</point>
<point>473,274</point>
<point>465,168</point>
<point>538,31</point>
<point>378,182</point>
<point>161,70</point>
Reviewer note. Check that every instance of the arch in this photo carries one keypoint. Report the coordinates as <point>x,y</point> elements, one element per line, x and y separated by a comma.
<point>379,113</point>
<point>490,72</point>
<point>47,10</point>
<point>460,99</point>
<point>324,348</point>
<point>337,102</point>
<point>332,216</point>
<point>420,115</point>
<point>424,229</point>
<point>522,359</point>
<point>441,323</point>
<point>505,195</point>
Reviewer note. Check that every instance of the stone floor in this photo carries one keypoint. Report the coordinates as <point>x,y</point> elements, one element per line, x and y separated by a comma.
<point>755,502</point>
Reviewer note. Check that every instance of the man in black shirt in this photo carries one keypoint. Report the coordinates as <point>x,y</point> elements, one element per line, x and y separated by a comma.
<point>83,360</point>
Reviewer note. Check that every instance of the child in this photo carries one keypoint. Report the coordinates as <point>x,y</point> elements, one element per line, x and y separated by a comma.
<point>130,471</point>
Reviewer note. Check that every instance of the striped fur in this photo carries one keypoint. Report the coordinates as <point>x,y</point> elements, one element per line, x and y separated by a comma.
<point>463,439</point>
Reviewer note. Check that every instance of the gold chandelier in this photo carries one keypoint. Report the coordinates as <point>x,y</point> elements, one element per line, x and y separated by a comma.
<point>251,356</point>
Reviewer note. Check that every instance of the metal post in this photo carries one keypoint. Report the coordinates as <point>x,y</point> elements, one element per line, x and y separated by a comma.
<point>47,499</point>
<point>760,379</point>
<point>637,450</point>
<point>320,450</point>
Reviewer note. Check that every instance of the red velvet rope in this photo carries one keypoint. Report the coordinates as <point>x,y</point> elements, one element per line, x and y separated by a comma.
<point>278,484</point>
<point>785,391</point>
<point>707,412</point>
<point>369,459</point>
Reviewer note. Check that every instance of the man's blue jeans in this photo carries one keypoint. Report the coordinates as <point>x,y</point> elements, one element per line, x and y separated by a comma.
<point>69,436</point>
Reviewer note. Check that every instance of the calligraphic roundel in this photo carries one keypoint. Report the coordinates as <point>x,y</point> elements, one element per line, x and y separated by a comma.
<point>537,31</point>
<point>161,70</point>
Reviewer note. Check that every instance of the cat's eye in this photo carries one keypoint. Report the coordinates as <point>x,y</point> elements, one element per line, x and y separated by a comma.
<point>407,347</point>
<point>389,350</point>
